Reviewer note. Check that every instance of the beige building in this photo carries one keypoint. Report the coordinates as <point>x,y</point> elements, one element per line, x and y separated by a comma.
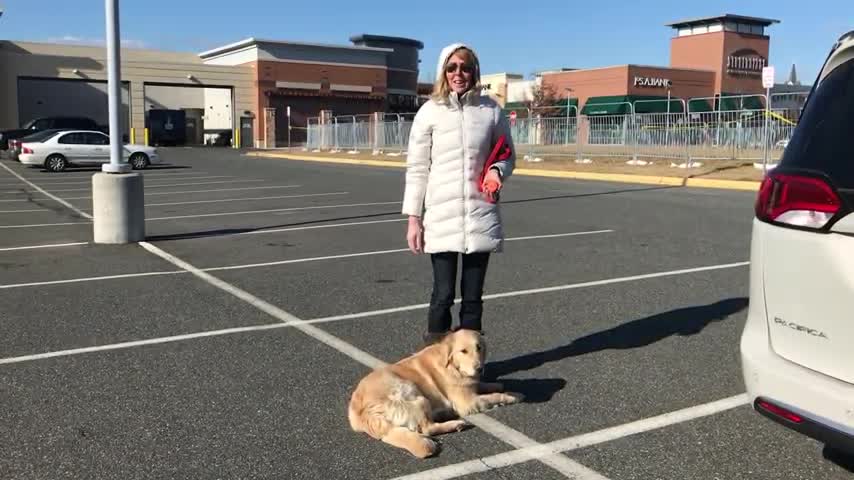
<point>496,85</point>
<point>42,79</point>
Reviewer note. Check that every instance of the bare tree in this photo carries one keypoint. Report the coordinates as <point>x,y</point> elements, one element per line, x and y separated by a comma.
<point>544,101</point>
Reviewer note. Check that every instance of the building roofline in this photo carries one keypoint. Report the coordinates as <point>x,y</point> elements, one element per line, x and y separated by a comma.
<point>765,22</point>
<point>252,41</point>
<point>366,37</point>
<point>624,65</point>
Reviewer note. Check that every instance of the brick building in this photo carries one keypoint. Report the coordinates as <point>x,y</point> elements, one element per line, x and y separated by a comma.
<point>295,80</point>
<point>710,57</point>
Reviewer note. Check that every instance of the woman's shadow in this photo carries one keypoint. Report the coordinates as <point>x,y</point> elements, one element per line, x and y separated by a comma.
<point>634,334</point>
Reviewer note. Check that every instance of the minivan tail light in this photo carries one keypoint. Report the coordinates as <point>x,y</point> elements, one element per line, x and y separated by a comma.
<point>779,411</point>
<point>797,200</point>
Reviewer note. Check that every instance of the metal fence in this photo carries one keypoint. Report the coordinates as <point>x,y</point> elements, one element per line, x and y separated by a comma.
<point>701,130</point>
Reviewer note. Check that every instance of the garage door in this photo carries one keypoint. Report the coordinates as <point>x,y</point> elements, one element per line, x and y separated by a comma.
<point>49,97</point>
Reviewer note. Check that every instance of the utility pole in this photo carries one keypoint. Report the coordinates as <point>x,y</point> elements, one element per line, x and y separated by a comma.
<point>117,193</point>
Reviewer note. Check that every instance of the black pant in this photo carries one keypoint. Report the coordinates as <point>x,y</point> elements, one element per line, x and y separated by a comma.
<point>444,289</point>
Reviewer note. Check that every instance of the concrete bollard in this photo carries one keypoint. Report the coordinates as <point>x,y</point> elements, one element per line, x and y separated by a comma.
<point>118,206</point>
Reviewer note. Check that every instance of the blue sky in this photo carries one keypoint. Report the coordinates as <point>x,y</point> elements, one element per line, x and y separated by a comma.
<point>520,36</point>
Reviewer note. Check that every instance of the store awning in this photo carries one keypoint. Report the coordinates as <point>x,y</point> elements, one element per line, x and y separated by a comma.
<point>726,103</point>
<point>655,104</point>
<point>733,101</point>
<point>555,109</point>
<point>607,105</point>
<point>619,105</point>
<point>700,106</point>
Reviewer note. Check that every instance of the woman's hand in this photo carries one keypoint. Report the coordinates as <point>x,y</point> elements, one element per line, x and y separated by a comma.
<point>415,235</point>
<point>492,185</point>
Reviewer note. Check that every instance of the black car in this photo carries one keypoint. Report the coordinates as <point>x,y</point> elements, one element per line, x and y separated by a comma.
<point>47,123</point>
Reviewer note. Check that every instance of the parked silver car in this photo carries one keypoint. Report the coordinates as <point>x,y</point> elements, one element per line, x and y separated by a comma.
<point>82,147</point>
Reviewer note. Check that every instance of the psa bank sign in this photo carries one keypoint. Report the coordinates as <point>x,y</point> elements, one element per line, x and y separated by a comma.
<point>746,62</point>
<point>652,82</point>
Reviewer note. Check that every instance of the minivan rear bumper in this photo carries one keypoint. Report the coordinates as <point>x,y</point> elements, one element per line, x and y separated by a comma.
<point>807,426</point>
<point>825,404</point>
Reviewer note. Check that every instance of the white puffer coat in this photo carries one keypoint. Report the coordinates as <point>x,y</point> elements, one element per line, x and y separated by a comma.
<point>448,147</point>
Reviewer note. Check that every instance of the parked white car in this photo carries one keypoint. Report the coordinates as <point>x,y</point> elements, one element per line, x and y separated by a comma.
<point>797,347</point>
<point>82,147</point>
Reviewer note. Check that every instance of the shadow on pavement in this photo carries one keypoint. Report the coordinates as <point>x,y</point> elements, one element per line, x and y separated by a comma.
<point>839,458</point>
<point>596,194</point>
<point>236,231</point>
<point>634,334</point>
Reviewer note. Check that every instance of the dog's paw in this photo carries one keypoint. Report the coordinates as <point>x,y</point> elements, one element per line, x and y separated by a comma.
<point>428,448</point>
<point>514,397</point>
<point>462,425</point>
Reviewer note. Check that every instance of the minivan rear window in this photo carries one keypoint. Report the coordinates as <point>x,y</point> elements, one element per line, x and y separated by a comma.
<point>824,138</point>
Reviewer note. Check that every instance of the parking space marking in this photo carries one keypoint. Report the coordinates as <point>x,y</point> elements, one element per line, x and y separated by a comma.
<point>89,279</point>
<point>562,464</point>
<point>533,291</point>
<point>267,264</point>
<point>313,227</point>
<point>149,186</point>
<point>85,174</point>
<point>382,252</point>
<point>292,209</point>
<point>334,318</point>
<point>33,247</point>
<point>186,192</point>
<point>43,192</point>
<point>37,225</point>
<point>53,183</point>
<point>139,343</point>
<point>306,195</point>
<point>522,455</point>
<point>27,211</point>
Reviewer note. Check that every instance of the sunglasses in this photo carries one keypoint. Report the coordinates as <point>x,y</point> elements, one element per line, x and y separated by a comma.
<point>463,67</point>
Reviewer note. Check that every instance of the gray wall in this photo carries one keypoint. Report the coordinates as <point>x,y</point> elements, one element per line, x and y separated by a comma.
<point>269,51</point>
<point>51,97</point>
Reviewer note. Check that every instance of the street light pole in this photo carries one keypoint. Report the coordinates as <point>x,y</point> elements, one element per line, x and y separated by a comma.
<point>118,204</point>
<point>114,85</point>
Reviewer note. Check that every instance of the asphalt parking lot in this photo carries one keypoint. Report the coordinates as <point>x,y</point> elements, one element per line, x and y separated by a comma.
<point>226,346</point>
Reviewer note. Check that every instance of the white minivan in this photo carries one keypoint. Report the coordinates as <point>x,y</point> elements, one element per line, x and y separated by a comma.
<point>797,347</point>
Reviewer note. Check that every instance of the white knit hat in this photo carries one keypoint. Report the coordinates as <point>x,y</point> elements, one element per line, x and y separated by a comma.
<point>446,53</point>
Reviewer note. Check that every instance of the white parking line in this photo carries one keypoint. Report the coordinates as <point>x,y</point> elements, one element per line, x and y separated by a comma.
<point>382,252</point>
<point>37,225</point>
<point>148,186</point>
<point>533,291</point>
<point>258,265</point>
<point>87,180</point>
<point>33,247</point>
<point>246,199</point>
<point>139,343</point>
<point>521,455</point>
<point>313,227</point>
<point>334,318</point>
<point>175,193</point>
<point>565,466</point>
<point>249,212</point>
<point>43,192</point>
<point>27,211</point>
<point>89,279</point>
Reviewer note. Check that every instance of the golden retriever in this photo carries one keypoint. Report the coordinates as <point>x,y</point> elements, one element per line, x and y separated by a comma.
<point>405,403</point>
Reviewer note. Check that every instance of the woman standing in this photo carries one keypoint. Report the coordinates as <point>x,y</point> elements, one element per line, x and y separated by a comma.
<point>449,214</point>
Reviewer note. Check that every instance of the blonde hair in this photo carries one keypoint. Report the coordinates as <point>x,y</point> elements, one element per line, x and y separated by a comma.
<point>441,89</point>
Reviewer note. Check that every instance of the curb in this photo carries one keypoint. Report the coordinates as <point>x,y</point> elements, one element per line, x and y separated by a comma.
<point>744,185</point>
